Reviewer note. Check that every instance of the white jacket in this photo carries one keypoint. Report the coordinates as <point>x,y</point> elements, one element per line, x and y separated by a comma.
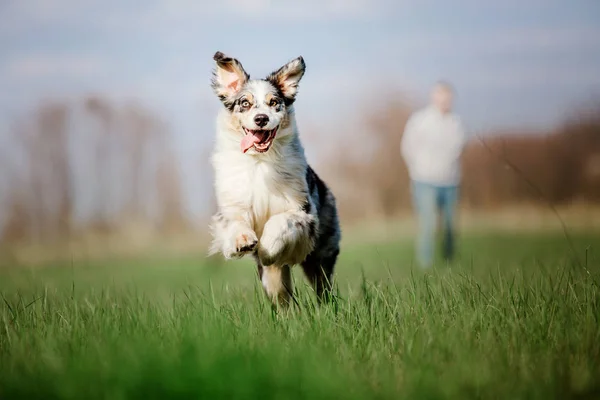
<point>432,146</point>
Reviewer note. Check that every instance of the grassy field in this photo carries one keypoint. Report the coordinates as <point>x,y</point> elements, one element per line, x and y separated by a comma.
<point>517,317</point>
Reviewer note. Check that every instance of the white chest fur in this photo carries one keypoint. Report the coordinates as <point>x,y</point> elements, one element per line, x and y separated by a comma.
<point>257,187</point>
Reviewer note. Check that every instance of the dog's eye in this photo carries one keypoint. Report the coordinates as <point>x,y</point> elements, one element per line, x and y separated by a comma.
<point>273,103</point>
<point>245,103</point>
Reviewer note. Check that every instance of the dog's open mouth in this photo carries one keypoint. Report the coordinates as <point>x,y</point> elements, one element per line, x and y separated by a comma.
<point>261,139</point>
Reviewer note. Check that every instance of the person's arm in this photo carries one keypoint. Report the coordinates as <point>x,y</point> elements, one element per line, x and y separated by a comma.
<point>408,145</point>
<point>463,137</point>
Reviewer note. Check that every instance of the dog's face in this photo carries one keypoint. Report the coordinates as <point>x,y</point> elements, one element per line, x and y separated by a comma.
<point>259,108</point>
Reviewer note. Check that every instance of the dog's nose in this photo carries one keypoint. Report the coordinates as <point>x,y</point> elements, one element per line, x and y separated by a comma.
<point>261,120</point>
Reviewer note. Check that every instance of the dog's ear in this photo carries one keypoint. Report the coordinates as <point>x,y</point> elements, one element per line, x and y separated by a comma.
<point>228,77</point>
<point>287,77</point>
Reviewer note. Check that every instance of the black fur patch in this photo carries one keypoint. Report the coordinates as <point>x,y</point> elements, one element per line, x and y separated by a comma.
<point>312,228</point>
<point>310,179</point>
<point>326,230</point>
<point>306,207</point>
<point>229,105</point>
<point>220,57</point>
<point>278,93</point>
<point>280,102</point>
<point>239,101</point>
<point>236,104</point>
<point>315,183</point>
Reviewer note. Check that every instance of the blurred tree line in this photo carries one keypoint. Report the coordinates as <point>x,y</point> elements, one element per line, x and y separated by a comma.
<point>95,166</point>
<point>499,169</point>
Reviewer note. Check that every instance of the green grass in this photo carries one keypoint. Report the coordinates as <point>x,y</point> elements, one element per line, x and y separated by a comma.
<point>517,317</point>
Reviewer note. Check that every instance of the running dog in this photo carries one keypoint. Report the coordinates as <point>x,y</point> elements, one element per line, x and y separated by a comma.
<point>271,204</point>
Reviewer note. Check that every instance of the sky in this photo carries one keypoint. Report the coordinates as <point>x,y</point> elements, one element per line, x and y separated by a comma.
<point>524,63</point>
<point>513,62</point>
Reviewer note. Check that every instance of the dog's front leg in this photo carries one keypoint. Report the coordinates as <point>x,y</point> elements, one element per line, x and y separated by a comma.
<point>277,283</point>
<point>287,238</point>
<point>232,236</point>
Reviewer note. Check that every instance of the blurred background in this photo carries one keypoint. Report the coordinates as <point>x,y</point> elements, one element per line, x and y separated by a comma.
<point>107,116</point>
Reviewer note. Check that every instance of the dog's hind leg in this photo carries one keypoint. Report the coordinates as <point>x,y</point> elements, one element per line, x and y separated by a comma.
<point>319,272</point>
<point>277,283</point>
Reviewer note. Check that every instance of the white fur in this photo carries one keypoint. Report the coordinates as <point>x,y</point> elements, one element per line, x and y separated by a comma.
<point>259,90</point>
<point>251,193</point>
<point>277,282</point>
<point>264,205</point>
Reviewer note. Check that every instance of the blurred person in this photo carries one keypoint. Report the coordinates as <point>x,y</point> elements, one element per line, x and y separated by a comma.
<point>431,146</point>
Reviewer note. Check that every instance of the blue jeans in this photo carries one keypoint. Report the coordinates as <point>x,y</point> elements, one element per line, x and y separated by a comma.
<point>428,200</point>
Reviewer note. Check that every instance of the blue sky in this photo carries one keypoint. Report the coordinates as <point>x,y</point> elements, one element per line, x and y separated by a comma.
<point>514,63</point>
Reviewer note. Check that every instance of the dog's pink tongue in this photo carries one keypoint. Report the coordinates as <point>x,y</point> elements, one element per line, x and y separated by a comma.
<point>248,141</point>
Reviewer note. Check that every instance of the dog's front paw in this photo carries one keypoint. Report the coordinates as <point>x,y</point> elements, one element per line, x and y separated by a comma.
<point>243,243</point>
<point>274,239</point>
<point>246,242</point>
<point>286,239</point>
